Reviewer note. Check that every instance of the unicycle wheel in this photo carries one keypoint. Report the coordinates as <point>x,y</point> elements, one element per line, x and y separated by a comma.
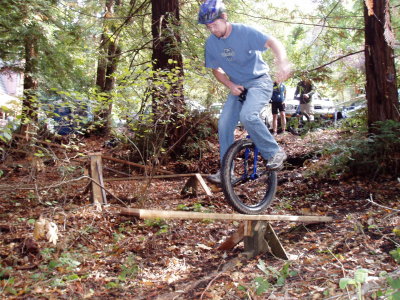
<point>247,183</point>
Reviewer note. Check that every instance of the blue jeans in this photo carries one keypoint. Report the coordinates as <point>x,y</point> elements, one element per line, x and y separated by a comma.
<point>258,95</point>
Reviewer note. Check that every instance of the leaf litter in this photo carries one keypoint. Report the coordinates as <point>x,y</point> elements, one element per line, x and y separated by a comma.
<point>91,254</point>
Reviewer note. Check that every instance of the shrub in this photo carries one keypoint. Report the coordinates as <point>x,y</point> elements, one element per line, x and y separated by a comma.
<point>363,154</point>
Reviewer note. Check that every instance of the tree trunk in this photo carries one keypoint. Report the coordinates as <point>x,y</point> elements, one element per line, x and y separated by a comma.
<point>29,102</point>
<point>381,87</point>
<point>107,66</point>
<point>167,92</point>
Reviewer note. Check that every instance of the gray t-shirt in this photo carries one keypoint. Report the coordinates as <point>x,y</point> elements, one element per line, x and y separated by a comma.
<point>239,55</point>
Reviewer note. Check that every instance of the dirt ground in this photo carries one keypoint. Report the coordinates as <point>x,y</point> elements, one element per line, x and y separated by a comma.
<point>93,254</point>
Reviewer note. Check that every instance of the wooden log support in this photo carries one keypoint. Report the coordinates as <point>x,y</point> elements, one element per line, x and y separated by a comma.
<point>203,184</point>
<point>190,187</point>
<point>96,173</point>
<point>262,238</point>
<point>233,240</point>
<point>258,237</point>
<point>274,243</point>
<point>254,238</point>
<point>257,234</point>
<point>192,184</point>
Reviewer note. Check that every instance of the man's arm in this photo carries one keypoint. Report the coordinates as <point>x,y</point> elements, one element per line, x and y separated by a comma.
<point>284,92</point>
<point>297,91</point>
<point>312,91</point>
<point>224,79</point>
<point>283,67</point>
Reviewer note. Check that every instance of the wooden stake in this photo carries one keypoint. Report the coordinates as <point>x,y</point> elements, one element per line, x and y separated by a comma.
<point>96,173</point>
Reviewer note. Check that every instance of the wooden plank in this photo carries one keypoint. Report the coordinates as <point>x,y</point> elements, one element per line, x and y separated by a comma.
<point>134,164</point>
<point>169,214</point>
<point>203,184</point>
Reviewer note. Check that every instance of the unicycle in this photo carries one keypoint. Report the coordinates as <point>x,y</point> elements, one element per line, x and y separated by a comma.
<point>248,185</point>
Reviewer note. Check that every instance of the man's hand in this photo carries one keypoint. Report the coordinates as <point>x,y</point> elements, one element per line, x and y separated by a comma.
<point>283,71</point>
<point>236,90</point>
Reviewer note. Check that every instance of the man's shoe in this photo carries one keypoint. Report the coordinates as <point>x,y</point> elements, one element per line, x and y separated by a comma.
<point>276,162</point>
<point>215,178</point>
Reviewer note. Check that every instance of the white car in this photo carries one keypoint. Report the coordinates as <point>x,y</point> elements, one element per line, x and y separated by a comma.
<point>216,109</point>
<point>321,107</point>
<point>266,115</point>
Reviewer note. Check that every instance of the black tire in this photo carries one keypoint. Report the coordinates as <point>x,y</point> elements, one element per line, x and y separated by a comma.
<point>247,195</point>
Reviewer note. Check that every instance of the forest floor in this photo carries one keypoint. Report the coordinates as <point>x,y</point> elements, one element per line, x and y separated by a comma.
<point>92,254</point>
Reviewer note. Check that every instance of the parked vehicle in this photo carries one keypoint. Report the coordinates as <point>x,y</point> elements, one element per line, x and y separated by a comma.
<point>194,106</point>
<point>266,115</point>
<point>322,107</point>
<point>65,116</point>
<point>216,109</point>
<point>351,107</point>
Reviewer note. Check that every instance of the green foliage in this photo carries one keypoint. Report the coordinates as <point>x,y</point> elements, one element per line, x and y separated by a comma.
<point>157,223</point>
<point>365,154</point>
<point>272,278</point>
<point>197,207</point>
<point>66,260</point>
<point>7,285</point>
<point>389,290</point>
<point>129,269</point>
<point>395,253</point>
<point>360,277</point>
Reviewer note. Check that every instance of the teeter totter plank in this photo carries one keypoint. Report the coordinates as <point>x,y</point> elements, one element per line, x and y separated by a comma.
<point>170,214</point>
<point>255,231</point>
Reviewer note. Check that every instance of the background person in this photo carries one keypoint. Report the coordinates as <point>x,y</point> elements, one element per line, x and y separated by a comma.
<point>278,104</point>
<point>233,52</point>
<point>304,92</point>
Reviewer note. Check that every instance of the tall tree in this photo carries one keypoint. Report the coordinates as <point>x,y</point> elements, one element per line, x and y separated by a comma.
<point>167,93</point>
<point>29,103</point>
<point>107,62</point>
<point>381,87</point>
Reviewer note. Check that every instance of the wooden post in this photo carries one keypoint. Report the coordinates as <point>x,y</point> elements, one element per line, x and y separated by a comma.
<point>254,238</point>
<point>96,173</point>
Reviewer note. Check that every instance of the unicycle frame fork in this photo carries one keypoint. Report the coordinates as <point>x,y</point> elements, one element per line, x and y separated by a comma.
<point>254,174</point>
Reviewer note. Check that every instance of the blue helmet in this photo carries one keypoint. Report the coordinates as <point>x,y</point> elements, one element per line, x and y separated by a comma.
<point>210,10</point>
